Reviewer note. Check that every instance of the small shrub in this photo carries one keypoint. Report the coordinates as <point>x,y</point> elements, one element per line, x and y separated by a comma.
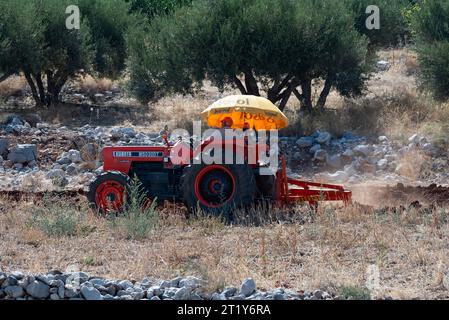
<point>139,216</point>
<point>355,293</point>
<point>57,217</point>
<point>88,261</point>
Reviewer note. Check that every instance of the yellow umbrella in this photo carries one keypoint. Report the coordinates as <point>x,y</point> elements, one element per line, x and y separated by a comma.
<point>245,110</point>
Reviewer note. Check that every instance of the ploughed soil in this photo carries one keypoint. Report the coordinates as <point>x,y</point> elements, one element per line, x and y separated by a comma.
<point>386,197</point>
<point>400,195</point>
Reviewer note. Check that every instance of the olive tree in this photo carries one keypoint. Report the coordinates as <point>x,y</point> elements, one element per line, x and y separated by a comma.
<point>429,24</point>
<point>393,29</point>
<point>35,41</point>
<point>262,47</point>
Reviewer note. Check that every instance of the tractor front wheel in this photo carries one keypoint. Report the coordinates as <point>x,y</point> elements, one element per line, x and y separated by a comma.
<point>107,193</point>
<point>218,189</point>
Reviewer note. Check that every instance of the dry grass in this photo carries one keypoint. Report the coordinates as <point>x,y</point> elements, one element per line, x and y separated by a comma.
<point>13,86</point>
<point>396,115</point>
<point>415,165</point>
<point>332,250</point>
<point>393,106</point>
<point>90,85</point>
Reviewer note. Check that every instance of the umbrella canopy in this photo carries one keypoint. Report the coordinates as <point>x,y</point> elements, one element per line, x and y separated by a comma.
<point>245,111</point>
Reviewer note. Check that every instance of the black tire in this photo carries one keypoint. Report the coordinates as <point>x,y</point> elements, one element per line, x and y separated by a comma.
<point>243,195</point>
<point>116,176</point>
<point>266,187</point>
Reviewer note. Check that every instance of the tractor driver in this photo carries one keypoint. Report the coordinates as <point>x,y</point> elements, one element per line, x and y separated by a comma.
<point>227,123</point>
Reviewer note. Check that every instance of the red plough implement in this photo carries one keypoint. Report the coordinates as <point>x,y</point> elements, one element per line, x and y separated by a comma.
<point>310,192</point>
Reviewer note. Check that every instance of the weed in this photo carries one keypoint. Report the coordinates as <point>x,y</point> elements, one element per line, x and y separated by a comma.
<point>55,217</point>
<point>138,216</point>
<point>88,261</point>
<point>355,293</point>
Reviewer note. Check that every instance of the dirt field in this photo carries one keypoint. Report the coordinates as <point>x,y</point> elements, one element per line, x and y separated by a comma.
<point>330,249</point>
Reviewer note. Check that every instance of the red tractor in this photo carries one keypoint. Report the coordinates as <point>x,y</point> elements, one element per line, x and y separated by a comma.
<point>215,188</point>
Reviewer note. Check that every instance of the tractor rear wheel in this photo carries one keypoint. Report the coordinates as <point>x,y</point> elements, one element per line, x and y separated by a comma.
<point>107,193</point>
<point>266,186</point>
<point>218,189</point>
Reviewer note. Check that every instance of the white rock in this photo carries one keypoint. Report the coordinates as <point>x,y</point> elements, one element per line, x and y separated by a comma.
<point>297,156</point>
<point>190,282</point>
<point>383,65</point>
<point>334,161</point>
<point>348,153</point>
<point>320,155</point>
<point>382,164</point>
<point>247,287</point>
<point>74,156</point>
<point>305,142</point>
<point>23,153</point>
<point>55,173</point>
<point>323,138</point>
<point>72,169</point>
<point>14,291</point>
<point>315,148</point>
<point>414,138</point>
<point>350,169</point>
<point>339,176</point>
<point>90,293</point>
<point>38,290</point>
<point>363,149</point>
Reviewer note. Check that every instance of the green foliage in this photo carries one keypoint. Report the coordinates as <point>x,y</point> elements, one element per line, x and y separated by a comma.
<point>153,8</point>
<point>393,26</point>
<point>88,261</point>
<point>20,35</point>
<point>429,22</point>
<point>108,21</point>
<point>138,217</point>
<point>258,46</point>
<point>355,293</point>
<point>34,40</point>
<point>58,218</point>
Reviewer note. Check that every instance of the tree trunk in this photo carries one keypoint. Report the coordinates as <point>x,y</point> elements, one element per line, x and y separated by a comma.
<point>57,88</point>
<point>33,89</point>
<point>50,85</point>
<point>55,82</point>
<point>239,85</point>
<point>40,86</point>
<point>274,92</point>
<point>251,84</point>
<point>324,93</point>
<point>286,94</point>
<point>306,101</point>
<point>284,100</point>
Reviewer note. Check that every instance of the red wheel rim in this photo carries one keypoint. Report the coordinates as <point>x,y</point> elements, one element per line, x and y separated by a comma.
<point>215,186</point>
<point>109,196</point>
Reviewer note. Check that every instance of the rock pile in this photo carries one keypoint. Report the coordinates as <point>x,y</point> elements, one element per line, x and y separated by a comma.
<point>57,285</point>
<point>350,158</point>
<point>70,157</point>
<point>66,157</point>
